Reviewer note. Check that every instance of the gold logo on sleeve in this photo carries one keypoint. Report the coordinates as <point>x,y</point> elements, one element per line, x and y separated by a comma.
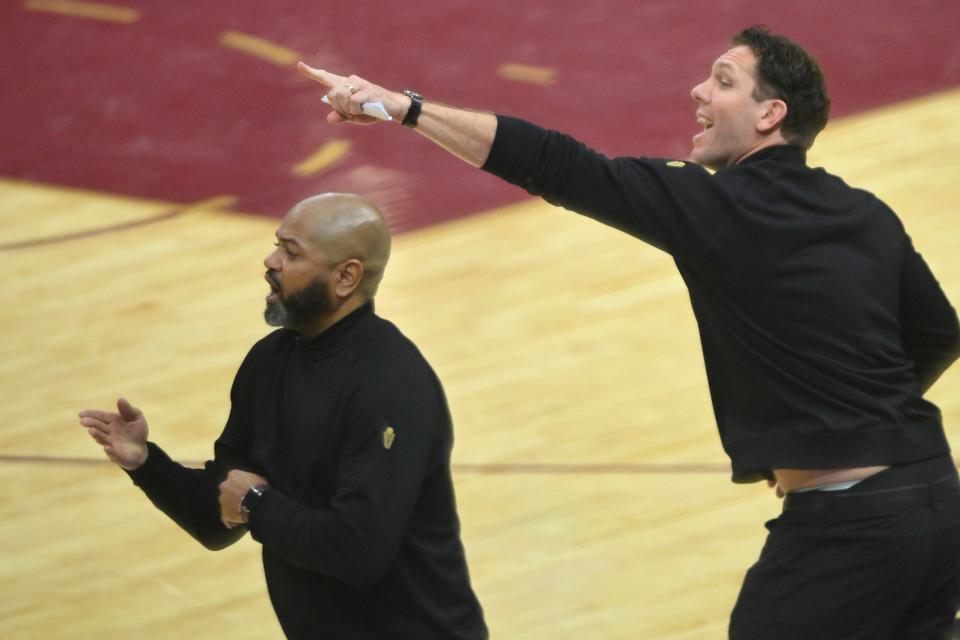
<point>388,437</point>
<point>676,163</point>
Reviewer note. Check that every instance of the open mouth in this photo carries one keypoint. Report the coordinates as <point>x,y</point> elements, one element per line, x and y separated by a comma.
<point>274,294</point>
<point>704,122</point>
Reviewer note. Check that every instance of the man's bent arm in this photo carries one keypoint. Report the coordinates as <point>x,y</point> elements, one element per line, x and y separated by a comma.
<point>929,327</point>
<point>190,497</point>
<point>187,496</point>
<point>356,535</point>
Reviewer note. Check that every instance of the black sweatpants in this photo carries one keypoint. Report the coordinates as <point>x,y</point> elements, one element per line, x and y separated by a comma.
<point>879,561</point>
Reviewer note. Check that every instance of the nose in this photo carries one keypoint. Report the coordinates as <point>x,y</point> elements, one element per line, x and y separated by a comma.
<point>699,92</point>
<point>272,261</point>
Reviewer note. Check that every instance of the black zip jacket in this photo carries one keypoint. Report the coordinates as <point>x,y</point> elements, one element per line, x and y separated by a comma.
<point>360,532</point>
<point>821,326</point>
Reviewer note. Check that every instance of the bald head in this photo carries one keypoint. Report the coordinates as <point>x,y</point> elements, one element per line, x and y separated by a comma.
<point>344,226</point>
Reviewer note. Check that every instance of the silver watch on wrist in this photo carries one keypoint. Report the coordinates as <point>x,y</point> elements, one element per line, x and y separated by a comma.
<point>250,500</point>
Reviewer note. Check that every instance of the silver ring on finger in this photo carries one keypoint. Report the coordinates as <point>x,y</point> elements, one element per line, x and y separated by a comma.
<point>352,89</point>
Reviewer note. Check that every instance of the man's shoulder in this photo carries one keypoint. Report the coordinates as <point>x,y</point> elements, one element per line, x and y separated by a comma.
<point>274,339</point>
<point>387,351</point>
<point>386,338</point>
<point>271,343</point>
<point>391,372</point>
<point>810,192</point>
<point>670,168</point>
<point>685,180</point>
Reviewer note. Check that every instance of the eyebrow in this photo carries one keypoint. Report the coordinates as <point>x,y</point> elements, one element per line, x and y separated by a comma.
<point>287,240</point>
<point>725,64</point>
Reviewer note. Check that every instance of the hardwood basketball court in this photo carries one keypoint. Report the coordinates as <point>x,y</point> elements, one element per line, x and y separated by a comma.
<point>594,495</point>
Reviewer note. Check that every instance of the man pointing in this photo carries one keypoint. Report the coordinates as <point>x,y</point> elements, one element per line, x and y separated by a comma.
<point>822,328</point>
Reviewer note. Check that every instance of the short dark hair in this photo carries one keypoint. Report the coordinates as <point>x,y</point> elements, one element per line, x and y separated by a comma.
<point>787,72</point>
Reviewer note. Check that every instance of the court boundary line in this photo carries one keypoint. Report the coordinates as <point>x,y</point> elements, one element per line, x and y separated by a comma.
<point>77,235</point>
<point>472,468</point>
<point>496,468</point>
<point>210,204</point>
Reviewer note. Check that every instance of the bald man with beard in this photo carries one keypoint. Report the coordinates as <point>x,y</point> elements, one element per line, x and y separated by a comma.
<point>336,453</point>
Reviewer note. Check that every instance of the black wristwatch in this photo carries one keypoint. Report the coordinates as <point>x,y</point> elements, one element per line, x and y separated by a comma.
<point>416,104</point>
<point>251,499</point>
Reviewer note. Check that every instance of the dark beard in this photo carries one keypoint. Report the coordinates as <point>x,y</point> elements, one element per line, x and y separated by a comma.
<point>300,308</point>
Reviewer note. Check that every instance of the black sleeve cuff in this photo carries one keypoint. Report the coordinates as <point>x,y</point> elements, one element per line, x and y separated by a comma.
<point>269,517</point>
<point>151,472</point>
<point>515,148</point>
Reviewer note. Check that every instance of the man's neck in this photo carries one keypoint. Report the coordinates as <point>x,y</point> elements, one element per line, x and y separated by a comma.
<point>772,140</point>
<point>322,323</point>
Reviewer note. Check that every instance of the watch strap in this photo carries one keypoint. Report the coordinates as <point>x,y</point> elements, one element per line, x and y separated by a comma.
<point>416,105</point>
<point>250,500</point>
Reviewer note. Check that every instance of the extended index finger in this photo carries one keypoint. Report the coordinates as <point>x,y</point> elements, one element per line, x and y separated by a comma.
<point>321,76</point>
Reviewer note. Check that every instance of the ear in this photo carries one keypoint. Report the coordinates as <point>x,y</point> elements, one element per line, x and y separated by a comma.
<point>772,113</point>
<point>347,278</point>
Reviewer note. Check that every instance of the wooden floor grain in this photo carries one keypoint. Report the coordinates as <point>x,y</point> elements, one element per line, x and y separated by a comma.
<point>593,491</point>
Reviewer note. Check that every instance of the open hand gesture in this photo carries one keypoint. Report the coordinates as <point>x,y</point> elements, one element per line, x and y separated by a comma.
<point>122,435</point>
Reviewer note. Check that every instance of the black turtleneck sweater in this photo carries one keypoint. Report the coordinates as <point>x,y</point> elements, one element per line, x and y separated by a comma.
<point>360,532</point>
<point>821,326</point>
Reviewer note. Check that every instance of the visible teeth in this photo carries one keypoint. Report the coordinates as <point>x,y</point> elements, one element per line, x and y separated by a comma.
<point>704,122</point>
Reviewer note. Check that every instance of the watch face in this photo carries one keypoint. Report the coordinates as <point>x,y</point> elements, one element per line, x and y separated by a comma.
<point>250,499</point>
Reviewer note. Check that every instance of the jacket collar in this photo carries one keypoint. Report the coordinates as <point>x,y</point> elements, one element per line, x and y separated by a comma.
<point>789,153</point>
<point>339,335</point>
